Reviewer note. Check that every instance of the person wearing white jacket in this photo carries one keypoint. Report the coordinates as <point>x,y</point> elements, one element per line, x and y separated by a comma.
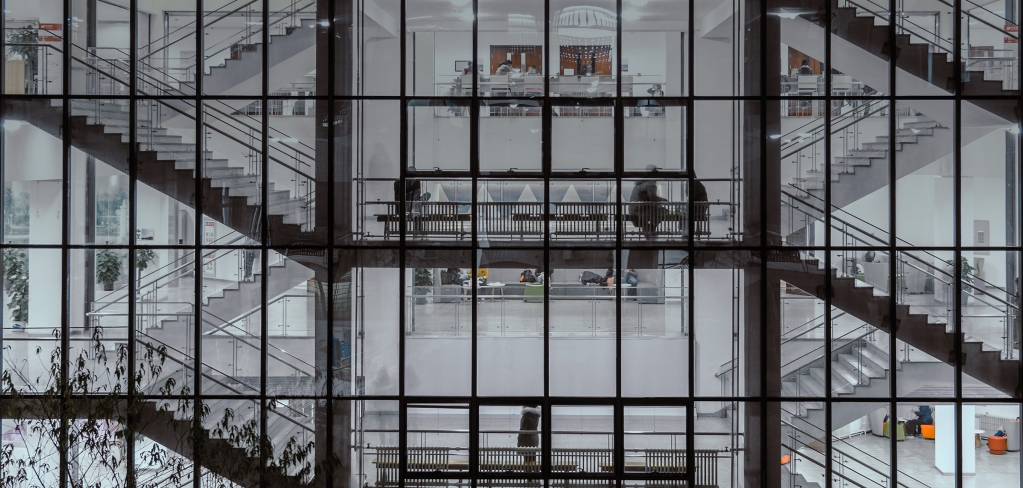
<point>529,424</point>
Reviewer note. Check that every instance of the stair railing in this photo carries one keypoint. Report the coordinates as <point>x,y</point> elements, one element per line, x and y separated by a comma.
<point>1002,305</point>
<point>163,272</point>
<point>184,359</point>
<point>881,12</point>
<point>248,34</point>
<point>931,269</point>
<point>242,336</point>
<point>304,183</point>
<point>870,459</point>
<point>38,79</point>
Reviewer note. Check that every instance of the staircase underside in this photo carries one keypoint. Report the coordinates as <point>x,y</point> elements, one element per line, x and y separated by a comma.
<point>160,174</point>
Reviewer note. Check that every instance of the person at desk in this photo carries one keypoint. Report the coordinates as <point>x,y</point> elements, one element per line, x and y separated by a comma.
<point>504,68</point>
<point>655,91</point>
<point>923,418</point>
<point>646,213</point>
<point>805,69</point>
<point>529,424</point>
<point>532,71</point>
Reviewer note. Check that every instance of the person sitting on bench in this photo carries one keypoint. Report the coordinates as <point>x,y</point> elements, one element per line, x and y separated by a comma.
<point>923,418</point>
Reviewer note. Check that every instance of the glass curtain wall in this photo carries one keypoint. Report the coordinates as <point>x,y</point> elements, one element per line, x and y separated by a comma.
<point>502,243</point>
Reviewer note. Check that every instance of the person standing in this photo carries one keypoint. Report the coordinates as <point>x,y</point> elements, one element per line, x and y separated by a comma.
<point>529,435</point>
<point>646,213</point>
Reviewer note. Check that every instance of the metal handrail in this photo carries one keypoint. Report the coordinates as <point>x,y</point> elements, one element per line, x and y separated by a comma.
<point>902,25</point>
<point>204,124</point>
<point>102,298</point>
<point>157,279</point>
<point>821,121</point>
<point>835,129</point>
<point>825,346</point>
<point>293,13</point>
<point>815,327</point>
<point>210,368</point>
<point>806,458</point>
<point>834,449</point>
<point>881,241</point>
<point>225,323</point>
<point>205,24</point>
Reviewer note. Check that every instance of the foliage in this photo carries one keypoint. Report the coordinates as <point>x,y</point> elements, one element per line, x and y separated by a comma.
<point>968,271</point>
<point>108,204</point>
<point>15,209</point>
<point>108,266</point>
<point>102,409</point>
<point>143,257</point>
<point>16,283</point>
<point>27,35</point>
<point>424,277</point>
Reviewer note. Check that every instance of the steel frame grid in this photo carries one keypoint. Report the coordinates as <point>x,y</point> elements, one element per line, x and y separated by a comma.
<point>958,248</point>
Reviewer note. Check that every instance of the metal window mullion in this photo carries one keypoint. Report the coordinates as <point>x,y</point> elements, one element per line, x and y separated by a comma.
<point>957,239</point>
<point>688,324</point>
<point>476,254</point>
<point>403,163</point>
<point>197,406</point>
<point>133,164</point>
<point>828,281</point>
<point>892,241</point>
<point>65,326</point>
<point>619,164</point>
<point>329,233</point>
<point>546,147</point>
<point>264,242</point>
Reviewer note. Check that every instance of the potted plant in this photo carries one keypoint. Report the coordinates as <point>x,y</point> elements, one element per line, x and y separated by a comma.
<point>142,259</point>
<point>423,283</point>
<point>968,271</point>
<point>16,284</point>
<point>108,268</point>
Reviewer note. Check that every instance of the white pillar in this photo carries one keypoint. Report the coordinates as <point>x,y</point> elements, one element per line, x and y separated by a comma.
<point>44,265</point>
<point>945,440</point>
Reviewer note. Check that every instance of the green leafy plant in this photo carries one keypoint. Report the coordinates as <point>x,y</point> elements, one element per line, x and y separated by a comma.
<point>16,283</point>
<point>88,411</point>
<point>15,211</point>
<point>108,268</point>
<point>28,38</point>
<point>423,279</point>
<point>142,259</point>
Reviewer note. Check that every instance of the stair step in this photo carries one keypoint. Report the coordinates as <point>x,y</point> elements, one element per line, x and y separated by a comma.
<point>876,355</point>
<point>880,145</point>
<point>233,181</point>
<point>843,379</point>
<point>864,366</point>
<point>921,124</point>
<point>910,139</point>
<point>915,132</point>
<point>869,153</point>
<point>847,161</point>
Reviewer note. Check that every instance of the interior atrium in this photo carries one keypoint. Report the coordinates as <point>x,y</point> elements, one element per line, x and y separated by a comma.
<point>510,243</point>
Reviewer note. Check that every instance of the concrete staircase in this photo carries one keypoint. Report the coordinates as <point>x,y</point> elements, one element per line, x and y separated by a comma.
<point>856,29</point>
<point>226,444</point>
<point>167,163</point>
<point>924,332</point>
<point>865,170</point>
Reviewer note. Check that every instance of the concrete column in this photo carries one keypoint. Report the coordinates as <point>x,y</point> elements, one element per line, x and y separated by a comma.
<point>945,440</point>
<point>44,265</point>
